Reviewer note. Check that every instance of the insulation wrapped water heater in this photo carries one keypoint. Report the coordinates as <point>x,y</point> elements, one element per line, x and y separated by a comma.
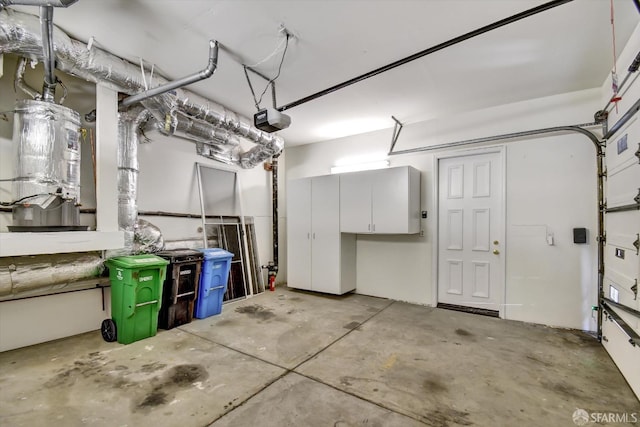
<point>46,189</point>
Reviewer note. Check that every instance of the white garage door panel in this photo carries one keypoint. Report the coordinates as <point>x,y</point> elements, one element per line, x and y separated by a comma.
<point>627,266</point>
<point>623,228</point>
<point>623,184</point>
<point>622,147</point>
<point>629,319</point>
<point>625,296</point>
<point>623,284</point>
<point>624,355</point>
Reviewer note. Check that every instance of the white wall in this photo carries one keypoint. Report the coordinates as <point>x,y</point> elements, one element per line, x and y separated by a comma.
<point>550,181</point>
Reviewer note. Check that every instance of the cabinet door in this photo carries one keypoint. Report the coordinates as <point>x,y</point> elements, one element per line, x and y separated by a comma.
<point>390,196</point>
<point>355,202</point>
<point>325,234</point>
<point>299,233</point>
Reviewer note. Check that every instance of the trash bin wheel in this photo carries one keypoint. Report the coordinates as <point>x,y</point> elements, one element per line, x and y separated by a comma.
<point>108,330</point>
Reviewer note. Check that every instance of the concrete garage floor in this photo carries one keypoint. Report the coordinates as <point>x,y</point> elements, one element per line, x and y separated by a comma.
<point>290,358</point>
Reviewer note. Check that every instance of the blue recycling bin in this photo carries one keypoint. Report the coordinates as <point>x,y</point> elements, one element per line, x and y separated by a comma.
<point>213,282</point>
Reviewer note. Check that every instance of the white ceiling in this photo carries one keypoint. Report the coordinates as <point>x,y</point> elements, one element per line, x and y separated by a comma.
<point>567,48</point>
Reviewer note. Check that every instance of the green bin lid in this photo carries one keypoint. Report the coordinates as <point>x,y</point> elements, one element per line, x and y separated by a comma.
<point>137,261</point>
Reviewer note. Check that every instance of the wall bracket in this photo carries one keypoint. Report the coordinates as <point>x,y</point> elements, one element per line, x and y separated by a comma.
<point>397,127</point>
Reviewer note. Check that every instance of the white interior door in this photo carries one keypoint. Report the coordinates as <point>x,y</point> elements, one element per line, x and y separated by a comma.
<point>471,231</point>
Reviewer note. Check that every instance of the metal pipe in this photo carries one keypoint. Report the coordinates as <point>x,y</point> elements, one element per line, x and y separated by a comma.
<point>274,212</point>
<point>19,82</point>
<point>501,23</point>
<point>600,179</point>
<point>623,120</point>
<point>184,81</point>
<point>46,27</point>
<point>52,3</point>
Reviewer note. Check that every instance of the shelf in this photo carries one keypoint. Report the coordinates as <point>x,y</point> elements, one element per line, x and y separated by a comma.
<point>16,244</point>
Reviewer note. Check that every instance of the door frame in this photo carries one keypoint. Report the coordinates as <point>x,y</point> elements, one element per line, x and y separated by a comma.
<point>502,151</point>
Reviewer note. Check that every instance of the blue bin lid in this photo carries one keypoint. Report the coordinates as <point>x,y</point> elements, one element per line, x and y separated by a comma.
<point>216,253</point>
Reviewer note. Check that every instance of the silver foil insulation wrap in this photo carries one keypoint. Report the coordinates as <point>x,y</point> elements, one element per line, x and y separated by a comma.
<point>46,152</point>
<point>148,238</point>
<point>19,275</point>
<point>128,139</point>
<point>20,34</point>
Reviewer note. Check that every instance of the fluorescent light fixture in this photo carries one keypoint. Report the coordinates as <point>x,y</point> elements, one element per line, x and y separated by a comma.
<point>380,164</point>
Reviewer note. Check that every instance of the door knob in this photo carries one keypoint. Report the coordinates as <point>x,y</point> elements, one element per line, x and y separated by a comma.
<point>496,252</point>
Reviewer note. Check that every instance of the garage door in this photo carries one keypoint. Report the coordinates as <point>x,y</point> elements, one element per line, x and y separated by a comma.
<point>621,306</point>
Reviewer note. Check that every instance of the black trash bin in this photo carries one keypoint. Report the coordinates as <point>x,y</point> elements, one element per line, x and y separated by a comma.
<point>180,287</point>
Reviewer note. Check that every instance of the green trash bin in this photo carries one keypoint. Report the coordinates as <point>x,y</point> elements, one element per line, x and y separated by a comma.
<point>136,296</point>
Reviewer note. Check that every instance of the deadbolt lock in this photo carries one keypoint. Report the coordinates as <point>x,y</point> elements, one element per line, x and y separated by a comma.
<point>495,242</point>
<point>496,252</point>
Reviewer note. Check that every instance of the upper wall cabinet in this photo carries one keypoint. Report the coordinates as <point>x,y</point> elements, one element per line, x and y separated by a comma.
<point>385,201</point>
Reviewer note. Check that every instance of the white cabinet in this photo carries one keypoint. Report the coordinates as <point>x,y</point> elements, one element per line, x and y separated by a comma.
<point>385,201</point>
<point>355,202</point>
<point>320,258</point>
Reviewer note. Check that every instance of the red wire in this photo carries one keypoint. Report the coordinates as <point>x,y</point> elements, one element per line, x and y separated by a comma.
<point>613,31</point>
<point>615,71</point>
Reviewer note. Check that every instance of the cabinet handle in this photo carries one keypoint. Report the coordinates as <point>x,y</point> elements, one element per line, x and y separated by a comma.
<point>374,227</point>
<point>314,236</point>
<point>308,235</point>
<point>368,227</point>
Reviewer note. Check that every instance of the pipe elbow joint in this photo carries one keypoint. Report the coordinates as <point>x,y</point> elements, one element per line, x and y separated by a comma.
<point>213,60</point>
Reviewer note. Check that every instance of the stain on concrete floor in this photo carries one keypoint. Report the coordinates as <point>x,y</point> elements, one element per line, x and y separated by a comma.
<point>256,311</point>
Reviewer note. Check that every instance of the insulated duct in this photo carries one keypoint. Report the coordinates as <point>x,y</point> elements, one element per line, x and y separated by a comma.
<point>140,236</point>
<point>128,136</point>
<point>20,34</point>
<point>19,275</point>
<point>148,238</point>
